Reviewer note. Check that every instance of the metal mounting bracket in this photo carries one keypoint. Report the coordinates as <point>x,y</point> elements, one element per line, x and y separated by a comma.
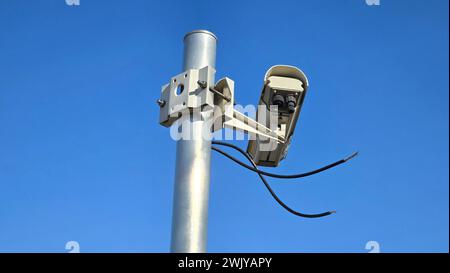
<point>224,100</point>
<point>186,91</point>
<point>192,89</point>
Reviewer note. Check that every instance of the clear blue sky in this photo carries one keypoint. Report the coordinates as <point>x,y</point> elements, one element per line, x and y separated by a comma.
<point>82,156</point>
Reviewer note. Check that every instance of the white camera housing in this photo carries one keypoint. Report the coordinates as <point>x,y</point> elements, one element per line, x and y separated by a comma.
<point>284,86</point>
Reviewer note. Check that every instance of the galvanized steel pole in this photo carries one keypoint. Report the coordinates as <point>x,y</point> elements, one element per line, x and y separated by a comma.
<point>191,191</point>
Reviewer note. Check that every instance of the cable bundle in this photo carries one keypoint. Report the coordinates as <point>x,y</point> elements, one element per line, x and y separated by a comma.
<point>262,173</point>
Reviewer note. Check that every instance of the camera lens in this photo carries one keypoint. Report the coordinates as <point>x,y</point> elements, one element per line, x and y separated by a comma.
<point>278,100</point>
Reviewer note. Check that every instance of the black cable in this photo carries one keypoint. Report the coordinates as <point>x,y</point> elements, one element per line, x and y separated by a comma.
<point>274,195</point>
<point>339,162</point>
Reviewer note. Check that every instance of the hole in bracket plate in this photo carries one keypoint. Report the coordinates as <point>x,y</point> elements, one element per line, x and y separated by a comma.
<point>179,90</point>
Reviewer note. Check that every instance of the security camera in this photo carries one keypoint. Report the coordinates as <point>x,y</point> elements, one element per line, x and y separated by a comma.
<point>282,97</point>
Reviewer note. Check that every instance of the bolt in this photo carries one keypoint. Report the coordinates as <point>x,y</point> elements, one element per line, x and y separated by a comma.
<point>202,84</point>
<point>161,102</point>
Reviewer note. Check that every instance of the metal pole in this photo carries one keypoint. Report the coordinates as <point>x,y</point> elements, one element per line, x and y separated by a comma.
<point>191,191</point>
